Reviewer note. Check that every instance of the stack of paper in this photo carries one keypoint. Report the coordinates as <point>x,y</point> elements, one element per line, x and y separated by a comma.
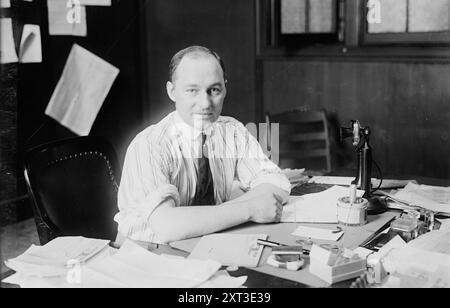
<point>54,258</point>
<point>346,181</point>
<point>432,198</point>
<point>315,208</point>
<point>412,267</point>
<point>131,266</point>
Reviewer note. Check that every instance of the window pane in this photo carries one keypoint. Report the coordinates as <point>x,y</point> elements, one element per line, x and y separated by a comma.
<point>322,16</point>
<point>293,16</point>
<point>429,15</point>
<point>393,17</point>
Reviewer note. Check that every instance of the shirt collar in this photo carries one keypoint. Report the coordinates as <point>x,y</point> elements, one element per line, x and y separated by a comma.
<point>188,131</point>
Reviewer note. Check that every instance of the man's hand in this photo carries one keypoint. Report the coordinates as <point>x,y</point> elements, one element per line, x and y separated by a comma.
<point>265,208</point>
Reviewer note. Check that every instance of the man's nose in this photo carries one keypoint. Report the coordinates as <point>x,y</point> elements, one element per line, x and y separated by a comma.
<point>204,100</point>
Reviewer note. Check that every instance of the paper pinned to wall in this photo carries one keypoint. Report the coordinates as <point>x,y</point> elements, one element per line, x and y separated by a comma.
<point>30,45</point>
<point>66,18</point>
<point>7,47</point>
<point>81,90</point>
<point>95,2</point>
<point>5,4</point>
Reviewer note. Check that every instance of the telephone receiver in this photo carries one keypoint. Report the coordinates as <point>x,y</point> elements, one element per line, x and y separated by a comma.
<point>355,130</point>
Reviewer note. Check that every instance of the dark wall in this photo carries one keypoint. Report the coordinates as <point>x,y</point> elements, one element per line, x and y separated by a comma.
<point>114,34</point>
<point>405,104</point>
<point>226,26</point>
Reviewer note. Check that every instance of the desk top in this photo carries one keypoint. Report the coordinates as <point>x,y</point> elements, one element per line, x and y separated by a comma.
<point>267,276</point>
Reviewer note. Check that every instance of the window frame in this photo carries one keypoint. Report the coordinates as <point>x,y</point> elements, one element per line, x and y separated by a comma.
<point>427,39</point>
<point>270,40</point>
<point>355,46</point>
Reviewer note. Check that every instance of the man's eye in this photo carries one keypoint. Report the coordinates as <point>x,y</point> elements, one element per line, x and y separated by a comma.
<point>215,91</point>
<point>191,91</point>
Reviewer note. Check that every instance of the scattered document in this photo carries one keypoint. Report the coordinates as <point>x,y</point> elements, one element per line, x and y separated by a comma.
<point>435,241</point>
<point>295,176</point>
<point>445,224</point>
<point>30,45</point>
<point>7,46</point>
<point>95,2</point>
<point>79,94</point>
<point>394,243</point>
<point>410,267</point>
<point>316,233</point>
<point>55,257</point>
<point>4,4</point>
<point>134,266</point>
<point>222,279</point>
<point>230,249</point>
<point>346,181</point>
<point>332,180</point>
<point>432,198</point>
<point>362,252</point>
<point>66,18</point>
<point>317,207</point>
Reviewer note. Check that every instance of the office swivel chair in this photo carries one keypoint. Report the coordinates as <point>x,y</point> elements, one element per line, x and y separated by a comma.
<point>304,140</point>
<point>73,183</point>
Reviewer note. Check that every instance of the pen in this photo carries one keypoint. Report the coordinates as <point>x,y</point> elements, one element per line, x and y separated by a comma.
<point>268,243</point>
<point>275,244</point>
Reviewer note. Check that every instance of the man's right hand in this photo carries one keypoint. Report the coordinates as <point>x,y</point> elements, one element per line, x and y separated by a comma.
<point>265,208</point>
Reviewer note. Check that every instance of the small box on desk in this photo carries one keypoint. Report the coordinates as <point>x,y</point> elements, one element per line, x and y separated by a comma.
<point>333,268</point>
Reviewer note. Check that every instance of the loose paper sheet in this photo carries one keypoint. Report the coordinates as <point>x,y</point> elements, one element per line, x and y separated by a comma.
<point>346,181</point>
<point>5,4</point>
<point>30,46</point>
<point>316,233</point>
<point>96,2</point>
<point>52,259</point>
<point>315,208</point>
<point>7,47</point>
<point>428,197</point>
<point>133,266</point>
<point>79,95</point>
<point>64,18</point>
<point>230,249</point>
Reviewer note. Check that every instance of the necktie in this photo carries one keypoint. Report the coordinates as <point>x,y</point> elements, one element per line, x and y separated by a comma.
<point>204,193</point>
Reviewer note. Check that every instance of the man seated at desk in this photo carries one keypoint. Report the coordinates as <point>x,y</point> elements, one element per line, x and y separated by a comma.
<point>178,174</point>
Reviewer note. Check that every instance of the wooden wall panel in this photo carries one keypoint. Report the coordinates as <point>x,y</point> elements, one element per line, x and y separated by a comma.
<point>407,105</point>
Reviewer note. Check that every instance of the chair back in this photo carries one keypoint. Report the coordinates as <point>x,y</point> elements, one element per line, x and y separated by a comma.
<point>304,140</point>
<point>74,184</point>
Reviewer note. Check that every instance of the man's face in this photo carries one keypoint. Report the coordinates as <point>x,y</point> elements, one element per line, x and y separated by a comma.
<point>198,90</point>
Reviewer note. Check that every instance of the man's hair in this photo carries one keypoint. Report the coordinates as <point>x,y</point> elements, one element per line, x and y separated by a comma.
<point>196,51</point>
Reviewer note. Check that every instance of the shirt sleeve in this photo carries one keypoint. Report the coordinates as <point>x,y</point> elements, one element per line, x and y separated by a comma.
<point>145,185</point>
<point>253,166</point>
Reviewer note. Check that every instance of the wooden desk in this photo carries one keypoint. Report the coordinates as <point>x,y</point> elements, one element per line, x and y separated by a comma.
<point>281,233</point>
<point>254,279</point>
<point>269,277</point>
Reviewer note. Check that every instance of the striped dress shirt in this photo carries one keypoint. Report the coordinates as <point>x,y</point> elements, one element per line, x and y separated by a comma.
<point>161,166</point>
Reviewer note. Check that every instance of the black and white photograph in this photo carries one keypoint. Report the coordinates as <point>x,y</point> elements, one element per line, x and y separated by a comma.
<point>225,149</point>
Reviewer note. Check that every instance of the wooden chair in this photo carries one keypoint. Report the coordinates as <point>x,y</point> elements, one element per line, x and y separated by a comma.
<point>303,140</point>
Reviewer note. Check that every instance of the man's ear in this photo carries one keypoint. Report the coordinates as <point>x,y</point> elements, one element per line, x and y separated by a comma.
<point>170,88</point>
